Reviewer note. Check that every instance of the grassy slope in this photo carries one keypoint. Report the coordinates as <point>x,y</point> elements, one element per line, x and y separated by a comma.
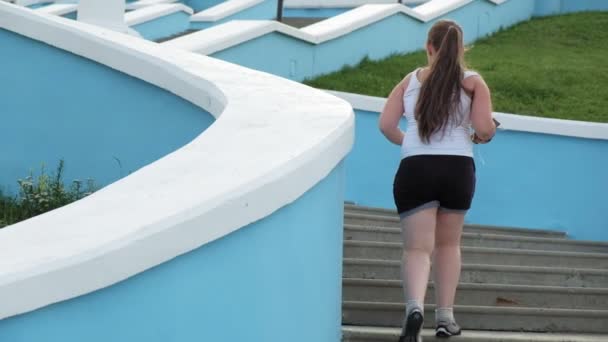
<point>550,67</point>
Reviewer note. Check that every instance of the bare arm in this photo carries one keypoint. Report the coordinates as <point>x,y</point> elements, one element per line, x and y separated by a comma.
<point>392,113</point>
<point>481,111</point>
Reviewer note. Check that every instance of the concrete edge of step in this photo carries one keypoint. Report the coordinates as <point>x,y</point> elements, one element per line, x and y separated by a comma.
<point>357,214</point>
<point>517,251</point>
<point>389,283</point>
<point>494,310</point>
<point>486,267</point>
<point>391,334</point>
<point>582,243</point>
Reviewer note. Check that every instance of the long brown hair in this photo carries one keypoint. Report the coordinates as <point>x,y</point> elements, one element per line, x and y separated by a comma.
<point>440,92</point>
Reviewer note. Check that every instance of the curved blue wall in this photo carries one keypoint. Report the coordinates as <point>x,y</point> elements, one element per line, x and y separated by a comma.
<point>103,123</point>
<point>278,279</point>
<point>523,179</point>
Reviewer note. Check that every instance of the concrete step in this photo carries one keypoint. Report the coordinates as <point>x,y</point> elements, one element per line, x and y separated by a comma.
<point>487,274</point>
<point>351,207</point>
<point>391,291</point>
<point>481,255</point>
<point>484,318</point>
<point>363,233</point>
<point>381,334</point>
<point>392,221</point>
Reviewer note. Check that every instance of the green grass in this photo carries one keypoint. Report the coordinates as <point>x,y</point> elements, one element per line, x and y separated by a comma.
<point>40,194</point>
<point>550,67</point>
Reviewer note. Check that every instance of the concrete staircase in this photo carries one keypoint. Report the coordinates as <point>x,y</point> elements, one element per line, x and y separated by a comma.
<point>516,284</point>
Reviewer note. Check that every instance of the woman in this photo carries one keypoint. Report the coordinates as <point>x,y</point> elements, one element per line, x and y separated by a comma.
<point>435,182</point>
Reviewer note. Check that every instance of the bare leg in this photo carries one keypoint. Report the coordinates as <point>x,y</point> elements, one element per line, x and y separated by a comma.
<point>418,242</point>
<point>446,257</point>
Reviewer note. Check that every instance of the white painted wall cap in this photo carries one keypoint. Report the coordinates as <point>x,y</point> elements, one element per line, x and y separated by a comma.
<point>355,19</point>
<point>273,140</point>
<point>224,10</point>
<point>145,3</point>
<point>29,2</point>
<point>149,13</point>
<point>315,4</point>
<point>234,32</point>
<point>437,8</point>
<point>513,122</point>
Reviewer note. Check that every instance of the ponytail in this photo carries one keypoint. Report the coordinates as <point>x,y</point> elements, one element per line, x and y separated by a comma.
<point>440,92</point>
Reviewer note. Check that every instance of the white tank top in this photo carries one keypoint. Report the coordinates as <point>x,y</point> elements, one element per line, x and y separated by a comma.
<point>456,139</point>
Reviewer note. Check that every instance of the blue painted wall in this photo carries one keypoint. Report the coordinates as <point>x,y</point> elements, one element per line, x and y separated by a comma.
<point>266,10</point>
<point>275,280</point>
<point>371,166</point>
<point>313,12</point>
<point>71,15</point>
<point>547,7</point>
<point>164,26</point>
<point>569,6</point>
<point>553,7</point>
<point>56,105</point>
<point>543,181</point>
<point>39,5</point>
<point>523,179</point>
<point>199,5</point>
<point>274,53</point>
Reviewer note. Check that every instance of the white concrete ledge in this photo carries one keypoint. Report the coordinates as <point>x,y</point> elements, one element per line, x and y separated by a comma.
<point>437,8</point>
<point>149,13</point>
<point>314,4</point>
<point>234,32</point>
<point>273,140</point>
<point>145,3</point>
<point>224,10</point>
<point>28,2</point>
<point>58,9</point>
<point>357,18</point>
<point>513,122</point>
<point>230,34</point>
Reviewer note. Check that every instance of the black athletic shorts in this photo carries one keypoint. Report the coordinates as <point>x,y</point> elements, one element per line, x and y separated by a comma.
<point>434,181</point>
